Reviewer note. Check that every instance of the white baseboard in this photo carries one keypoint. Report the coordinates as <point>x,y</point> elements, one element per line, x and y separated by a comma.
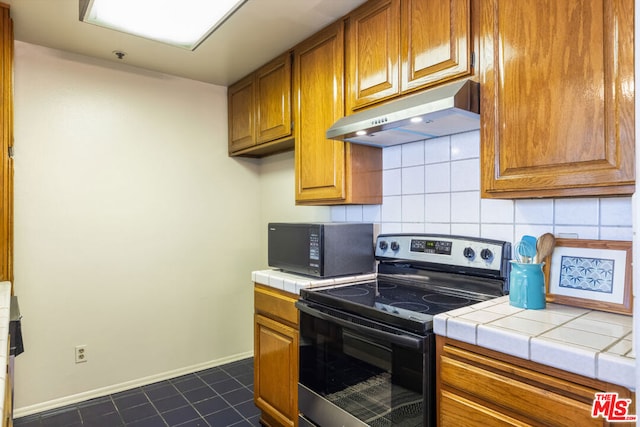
<point>104,391</point>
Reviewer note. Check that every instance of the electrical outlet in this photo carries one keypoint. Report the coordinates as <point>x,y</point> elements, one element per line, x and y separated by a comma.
<point>81,353</point>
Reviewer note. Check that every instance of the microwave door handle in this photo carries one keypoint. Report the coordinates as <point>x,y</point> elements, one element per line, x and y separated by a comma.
<point>405,341</point>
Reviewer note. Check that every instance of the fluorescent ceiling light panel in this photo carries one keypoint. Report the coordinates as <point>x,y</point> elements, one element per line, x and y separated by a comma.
<point>184,23</point>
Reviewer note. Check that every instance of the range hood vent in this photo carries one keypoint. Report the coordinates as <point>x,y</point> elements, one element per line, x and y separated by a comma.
<point>444,110</point>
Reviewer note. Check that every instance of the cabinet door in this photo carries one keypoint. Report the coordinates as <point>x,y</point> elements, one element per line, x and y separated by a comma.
<point>436,40</point>
<point>373,53</point>
<point>557,97</point>
<point>276,370</point>
<point>273,89</point>
<point>241,106</point>
<point>319,100</point>
<point>6,141</point>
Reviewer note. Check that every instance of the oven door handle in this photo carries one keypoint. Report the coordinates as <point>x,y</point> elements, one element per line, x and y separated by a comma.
<point>406,340</point>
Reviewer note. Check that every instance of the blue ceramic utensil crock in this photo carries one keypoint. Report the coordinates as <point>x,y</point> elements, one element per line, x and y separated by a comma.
<point>526,286</point>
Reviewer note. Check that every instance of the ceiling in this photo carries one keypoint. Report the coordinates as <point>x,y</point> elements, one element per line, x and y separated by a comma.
<point>259,31</point>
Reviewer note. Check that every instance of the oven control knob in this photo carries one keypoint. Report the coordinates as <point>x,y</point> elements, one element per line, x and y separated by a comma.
<point>395,246</point>
<point>383,245</point>
<point>486,254</point>
<point>469,253</point>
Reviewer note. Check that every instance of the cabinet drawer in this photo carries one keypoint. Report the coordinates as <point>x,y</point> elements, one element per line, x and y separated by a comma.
<point>276,304</point>
<point>458,411</point>
<point>520,391</point>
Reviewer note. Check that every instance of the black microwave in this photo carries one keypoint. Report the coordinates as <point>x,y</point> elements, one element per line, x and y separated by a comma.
<point>321,249</point>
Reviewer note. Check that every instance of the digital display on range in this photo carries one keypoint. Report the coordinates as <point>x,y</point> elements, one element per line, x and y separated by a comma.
<point>431,246</point>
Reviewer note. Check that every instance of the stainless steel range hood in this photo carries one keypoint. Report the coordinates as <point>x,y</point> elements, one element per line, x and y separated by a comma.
<point>444,110</point>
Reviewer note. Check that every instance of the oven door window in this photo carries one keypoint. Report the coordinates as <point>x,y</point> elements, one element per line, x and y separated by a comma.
<point>380,383</point>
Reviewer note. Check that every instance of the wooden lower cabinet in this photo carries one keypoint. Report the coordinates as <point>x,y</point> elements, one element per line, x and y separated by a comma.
<point>276,356</point>
<point>480,387</point>
<point>7,416</point>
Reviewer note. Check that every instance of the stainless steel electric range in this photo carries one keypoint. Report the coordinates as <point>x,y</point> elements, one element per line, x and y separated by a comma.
<point>367,348</point>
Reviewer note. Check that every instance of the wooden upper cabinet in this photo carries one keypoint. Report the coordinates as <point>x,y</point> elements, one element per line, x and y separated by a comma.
<point>373,53</point>
<point>399,46</point>
<point>436,41</point>
<point>259,108</point>
<point>273,89</point>
<point>326,171</point>
<point>557,98</point>
<point>241,103</point>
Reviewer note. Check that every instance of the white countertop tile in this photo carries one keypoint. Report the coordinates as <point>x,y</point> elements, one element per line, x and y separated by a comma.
<point>440,325</point>
<point>544,316</point>
<point>582,341</point>
<point>578,337</point>
<point>498,339</point>
<point>579,360</point>
<point>481,316</point>
<point>461,329</point>
<point>617,370</point>
<point>503,309</point>
<point>522,325</point>
<point>618,319</point>
<point>294,282</point>
<point>615,330</point>
<point>622,347</point>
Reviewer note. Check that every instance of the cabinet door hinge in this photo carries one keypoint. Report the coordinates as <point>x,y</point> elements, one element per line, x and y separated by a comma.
<point>473,59</point>
<point>11,151</point>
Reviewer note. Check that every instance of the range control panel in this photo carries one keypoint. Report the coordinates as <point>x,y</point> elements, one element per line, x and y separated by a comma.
<point>442,249</point>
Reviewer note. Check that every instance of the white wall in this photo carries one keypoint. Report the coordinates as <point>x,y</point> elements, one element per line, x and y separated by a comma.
<point>135,233</point>
<point>277,195</point>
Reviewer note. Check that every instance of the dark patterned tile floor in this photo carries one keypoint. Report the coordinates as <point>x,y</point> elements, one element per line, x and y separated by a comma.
<point>216,397</point>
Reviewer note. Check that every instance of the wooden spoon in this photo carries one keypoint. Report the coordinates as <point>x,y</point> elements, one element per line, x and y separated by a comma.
<point>545,246</point>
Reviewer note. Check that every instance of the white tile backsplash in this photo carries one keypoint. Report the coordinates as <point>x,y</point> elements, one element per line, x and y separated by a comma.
<point>433,186</point>
<point>437,178</point>
<point>616,211</point>
<point>354,213</point>
<point>465,145</point>
<point>465,175</point>
<point>392,157</point>
<point>413,154</point>
<point>413,208</point>
<point>437,207</point>
<point>392,182</point>
<point>576,212</point>
<point>413,180</point>
<point>496,211</point>
<point>372,213</point>
<point>437,150</point>
<point>465,207</point>
<point>392,209</point>
<point>535,211</point>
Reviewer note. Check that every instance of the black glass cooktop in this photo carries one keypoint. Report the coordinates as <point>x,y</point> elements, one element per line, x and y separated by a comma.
<point>400,305</point>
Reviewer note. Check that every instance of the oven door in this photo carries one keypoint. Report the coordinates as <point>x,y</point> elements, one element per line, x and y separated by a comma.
<point>357,372</point>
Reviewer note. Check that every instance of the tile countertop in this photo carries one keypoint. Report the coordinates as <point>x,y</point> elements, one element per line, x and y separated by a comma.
<point>5,302</point>
<point>294,282</point>
<point>591,343</point>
